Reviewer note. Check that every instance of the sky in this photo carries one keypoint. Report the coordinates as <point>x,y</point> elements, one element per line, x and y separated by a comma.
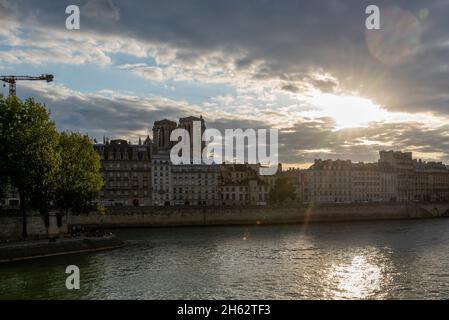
<point>334,89</point>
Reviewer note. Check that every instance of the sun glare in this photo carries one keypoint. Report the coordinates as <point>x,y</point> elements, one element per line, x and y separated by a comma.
<point>358,279</point>
<point>347,111</point>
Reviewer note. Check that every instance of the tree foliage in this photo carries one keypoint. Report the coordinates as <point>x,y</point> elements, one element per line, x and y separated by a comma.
<point>283,189</point>
<point>79,178</point>
<point>28,151</point>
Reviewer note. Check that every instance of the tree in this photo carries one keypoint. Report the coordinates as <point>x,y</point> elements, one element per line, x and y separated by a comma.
<point>2,187</point>
<point>3,176</point>
<point>283,189</point>
<point>79,179</point>
<point>3,181</point>
<point>29,154</point>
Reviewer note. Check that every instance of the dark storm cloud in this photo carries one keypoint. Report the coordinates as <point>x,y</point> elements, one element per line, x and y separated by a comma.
<point>290,87</point>
<point>309,140</point>
<point>295,83</point>
<point>101,9</point>
<point>98,115</point>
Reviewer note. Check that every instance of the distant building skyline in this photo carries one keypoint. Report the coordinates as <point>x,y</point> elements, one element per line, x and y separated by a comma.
<point>143,174</point>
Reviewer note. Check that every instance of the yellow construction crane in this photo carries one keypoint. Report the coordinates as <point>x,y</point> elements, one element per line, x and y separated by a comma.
<point>11,80</point>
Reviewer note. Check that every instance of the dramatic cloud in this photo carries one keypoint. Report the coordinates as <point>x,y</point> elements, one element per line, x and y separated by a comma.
<point>311,139</point>
<point>130,117</point>
<point>309,68</point>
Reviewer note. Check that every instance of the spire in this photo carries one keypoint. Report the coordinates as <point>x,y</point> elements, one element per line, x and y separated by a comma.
<point>147,140</point>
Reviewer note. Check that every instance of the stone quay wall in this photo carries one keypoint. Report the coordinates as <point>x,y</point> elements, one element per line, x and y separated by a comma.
<point>11,225</point>
<point>122,217</point>
<point>25,250</point>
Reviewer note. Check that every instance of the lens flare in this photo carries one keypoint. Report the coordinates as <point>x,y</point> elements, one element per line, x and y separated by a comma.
<point>398,38</point>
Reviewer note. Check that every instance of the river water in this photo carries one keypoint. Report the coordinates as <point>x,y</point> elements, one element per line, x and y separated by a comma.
<point>363,260</point>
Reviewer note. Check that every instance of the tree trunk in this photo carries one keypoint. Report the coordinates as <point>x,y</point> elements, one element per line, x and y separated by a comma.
<point>46,216</point>
<point>24,215</point>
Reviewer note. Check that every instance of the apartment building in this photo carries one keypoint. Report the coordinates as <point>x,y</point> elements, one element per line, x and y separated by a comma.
<point>330,181</point>
<point>403,165</point>
<point>161,179</point>
<point>341,181</point>
<point>241,184</point>
<point>431,181</point>
<point>195,185</point>
<point>126,171</point>
<point>373,182</point>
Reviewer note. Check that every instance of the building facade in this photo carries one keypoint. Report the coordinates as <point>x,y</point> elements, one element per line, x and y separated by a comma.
<point>126,171</point>
<point>431,181</point>
<point>373,182</point>
<point>161,179</point>
<point>330,181</point>
<point>403,165</point>
<point>196,185</point>
<point>341,181</point>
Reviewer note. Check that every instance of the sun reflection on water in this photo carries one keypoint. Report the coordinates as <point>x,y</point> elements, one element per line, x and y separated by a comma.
<point>360,278</point>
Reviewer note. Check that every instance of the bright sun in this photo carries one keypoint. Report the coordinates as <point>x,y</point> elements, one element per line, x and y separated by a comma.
<point>347,111</point>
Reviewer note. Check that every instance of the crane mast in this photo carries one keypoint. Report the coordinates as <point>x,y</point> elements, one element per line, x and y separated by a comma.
<point>11,80</point>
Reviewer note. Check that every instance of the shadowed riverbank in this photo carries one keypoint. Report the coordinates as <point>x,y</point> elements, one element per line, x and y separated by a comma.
<point>123,217</point>
<point>32,249</point>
